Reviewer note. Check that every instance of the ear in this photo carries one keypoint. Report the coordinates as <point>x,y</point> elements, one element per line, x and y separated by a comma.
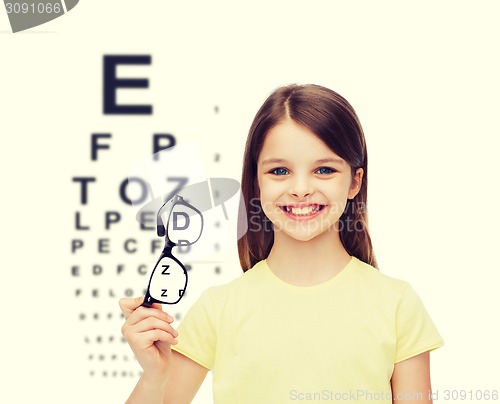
<point>356,183</point>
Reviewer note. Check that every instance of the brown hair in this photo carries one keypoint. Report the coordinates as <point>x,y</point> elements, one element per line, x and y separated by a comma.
<point>334,121</point>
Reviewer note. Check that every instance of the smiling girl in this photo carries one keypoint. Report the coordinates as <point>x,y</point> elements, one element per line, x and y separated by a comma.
<point>311,317</point>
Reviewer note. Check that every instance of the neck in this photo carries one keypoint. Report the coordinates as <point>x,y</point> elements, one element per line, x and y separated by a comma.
<point>306,263</point>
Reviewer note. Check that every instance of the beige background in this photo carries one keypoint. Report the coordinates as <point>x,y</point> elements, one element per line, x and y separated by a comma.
<point>423,78</point>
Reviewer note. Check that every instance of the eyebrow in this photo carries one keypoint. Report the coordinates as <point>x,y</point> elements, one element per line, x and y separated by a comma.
<point>320,161</point>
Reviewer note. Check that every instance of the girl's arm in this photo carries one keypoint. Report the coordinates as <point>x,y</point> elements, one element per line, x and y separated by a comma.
<point>411,381</point>
<point>184,381</point>
<point>168,377</point>
<point>179,387</point>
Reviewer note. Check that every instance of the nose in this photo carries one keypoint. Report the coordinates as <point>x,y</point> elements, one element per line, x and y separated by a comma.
<point>300,187</point>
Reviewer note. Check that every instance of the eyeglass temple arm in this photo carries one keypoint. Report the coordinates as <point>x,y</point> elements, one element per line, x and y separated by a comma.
<point>160,226</point>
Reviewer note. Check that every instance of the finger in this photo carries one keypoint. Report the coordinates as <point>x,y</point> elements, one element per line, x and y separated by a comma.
<point>129,304</point>
<point>146,339</point>
<point>144,312</point>
<point>152,323</point>
<point>160,307</point>
<point>160,335</point>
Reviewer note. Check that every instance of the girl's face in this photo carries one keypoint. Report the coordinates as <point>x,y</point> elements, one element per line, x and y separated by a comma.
<point>304,186</point>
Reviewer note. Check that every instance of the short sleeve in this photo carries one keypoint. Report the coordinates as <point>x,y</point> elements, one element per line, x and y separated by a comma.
<point>416,332</point>
<point>197,336</point>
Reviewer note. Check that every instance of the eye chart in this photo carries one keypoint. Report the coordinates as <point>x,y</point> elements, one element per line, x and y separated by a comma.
<point>114,245</point>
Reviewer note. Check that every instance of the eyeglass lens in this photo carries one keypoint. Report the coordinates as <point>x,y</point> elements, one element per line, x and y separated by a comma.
<point>184,225</point>
<point>168,281</point>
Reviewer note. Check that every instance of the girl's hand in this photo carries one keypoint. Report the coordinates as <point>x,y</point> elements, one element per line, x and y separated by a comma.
<point>150,335</point>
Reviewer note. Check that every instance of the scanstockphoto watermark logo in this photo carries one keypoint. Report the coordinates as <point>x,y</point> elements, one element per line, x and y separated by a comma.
<point>363,395</point>
<point>26,14</point>
<point>360,395</point>
<point>350,214</point>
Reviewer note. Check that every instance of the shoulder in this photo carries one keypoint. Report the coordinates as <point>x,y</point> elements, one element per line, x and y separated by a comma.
<point>390,295</point>
<point>369,277</point>
<point>252,278</point>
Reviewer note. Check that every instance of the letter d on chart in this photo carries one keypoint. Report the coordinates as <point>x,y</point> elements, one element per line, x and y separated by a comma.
<point>24,15</point>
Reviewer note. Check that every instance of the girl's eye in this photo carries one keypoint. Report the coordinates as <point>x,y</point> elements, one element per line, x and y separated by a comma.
<point>279,171</point>
<point>325,170</point>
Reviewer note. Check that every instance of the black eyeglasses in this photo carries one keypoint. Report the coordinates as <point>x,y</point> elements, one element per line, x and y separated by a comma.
<point>169,279</point>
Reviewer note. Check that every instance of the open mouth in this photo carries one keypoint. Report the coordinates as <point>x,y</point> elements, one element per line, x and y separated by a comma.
<point>302,212</point>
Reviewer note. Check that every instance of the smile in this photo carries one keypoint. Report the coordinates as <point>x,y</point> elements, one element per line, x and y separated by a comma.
<point>304,212</point>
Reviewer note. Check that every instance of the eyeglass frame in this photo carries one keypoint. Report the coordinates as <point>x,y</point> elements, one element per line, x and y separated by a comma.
<point>161,230</point>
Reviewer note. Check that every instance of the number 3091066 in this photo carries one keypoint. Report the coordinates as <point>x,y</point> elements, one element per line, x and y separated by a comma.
<point>32,8</point>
